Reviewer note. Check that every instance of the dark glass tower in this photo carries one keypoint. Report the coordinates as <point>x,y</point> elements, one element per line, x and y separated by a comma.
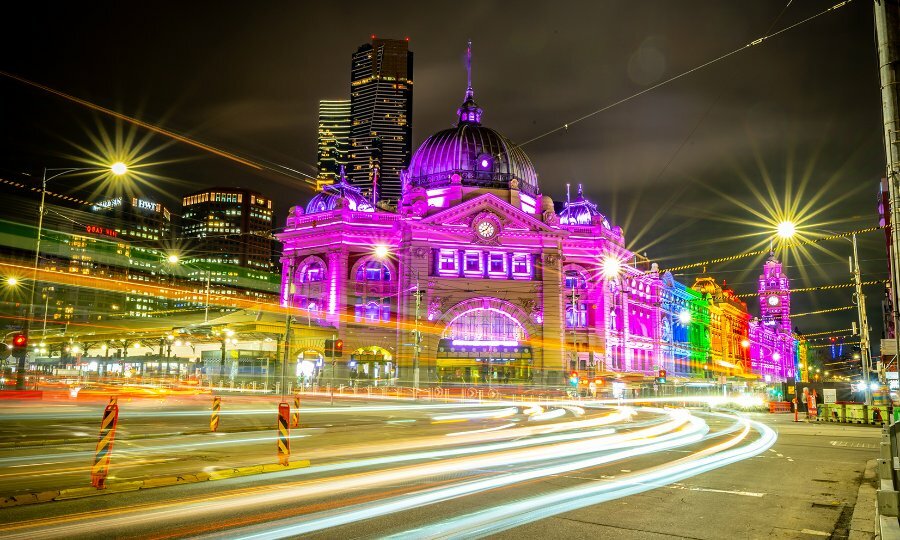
<point>381,91</point>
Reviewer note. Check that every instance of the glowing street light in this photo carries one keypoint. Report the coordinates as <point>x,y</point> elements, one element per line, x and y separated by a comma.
<point>12,282</point>
<point>745,343</point>
<point>173,259</point>
<point>118,168</point>
<point>381,252</point>
<point>786,229</point>
<point>611,267</point>
<point>684,317</point>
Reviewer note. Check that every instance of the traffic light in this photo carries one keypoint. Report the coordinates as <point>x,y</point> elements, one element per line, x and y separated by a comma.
<point>334,348</point>
<point>20,341</point>
<point>661,377</point>
<point>573,378</point>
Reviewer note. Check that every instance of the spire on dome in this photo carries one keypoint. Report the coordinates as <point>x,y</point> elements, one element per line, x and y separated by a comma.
<point>469,112</point>
<point>580,211</point>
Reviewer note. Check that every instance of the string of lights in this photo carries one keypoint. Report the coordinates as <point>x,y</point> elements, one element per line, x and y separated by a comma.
<point>821,311</point>
<point>830,345</point>
<point>826,335</point>
<point>822,288</point>
<point>764,251</point>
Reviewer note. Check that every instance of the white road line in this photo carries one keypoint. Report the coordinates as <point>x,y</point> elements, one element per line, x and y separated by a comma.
<point>815,533</point>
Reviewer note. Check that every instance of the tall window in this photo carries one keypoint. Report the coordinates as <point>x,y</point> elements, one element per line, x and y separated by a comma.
<point>373,271</point>
<point>576,317</point>
<point>372,310</point>
<point>472,261</point>
<point>574,280</point>
<point>448,260</point>
<point>497,263</point>
<point>521,264</point>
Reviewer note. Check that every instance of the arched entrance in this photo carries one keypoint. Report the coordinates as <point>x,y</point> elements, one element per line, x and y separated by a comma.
<point>310,364</point>
<point>372,365</point>
<point>485,341</point>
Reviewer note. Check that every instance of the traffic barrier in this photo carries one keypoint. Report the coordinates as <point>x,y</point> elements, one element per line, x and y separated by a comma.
<point>214,419</point>
<point>100,468</point>
<point>779,406</point>
<point>284,433</point>
<point>295,416</point>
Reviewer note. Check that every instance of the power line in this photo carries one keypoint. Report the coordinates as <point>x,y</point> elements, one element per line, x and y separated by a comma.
<point>753,43</point>
<point>822,287</point>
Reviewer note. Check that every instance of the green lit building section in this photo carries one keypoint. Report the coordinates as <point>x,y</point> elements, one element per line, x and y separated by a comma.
<point>699,330</point>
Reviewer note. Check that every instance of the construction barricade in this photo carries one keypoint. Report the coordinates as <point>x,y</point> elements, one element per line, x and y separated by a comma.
<point>100,468</point>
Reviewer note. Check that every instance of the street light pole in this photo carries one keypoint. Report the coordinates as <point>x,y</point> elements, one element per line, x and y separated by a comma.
<point>863,323</point>
<point>118,169</point>
<point>417,338</point>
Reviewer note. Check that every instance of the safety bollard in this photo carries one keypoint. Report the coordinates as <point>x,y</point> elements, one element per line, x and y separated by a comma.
<point>100,469</point>
<point>284,433</point>
<point>214,419</point>
<point>295,416</point>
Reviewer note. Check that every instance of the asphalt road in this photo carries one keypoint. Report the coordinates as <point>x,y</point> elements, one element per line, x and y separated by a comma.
<point>486,470</point>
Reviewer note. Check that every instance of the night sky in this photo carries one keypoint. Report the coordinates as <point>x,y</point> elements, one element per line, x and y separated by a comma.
<point>677,168</point>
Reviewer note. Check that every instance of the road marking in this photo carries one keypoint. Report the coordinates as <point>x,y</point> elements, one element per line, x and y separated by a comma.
<point>710,490</point>
<point>815,533</point>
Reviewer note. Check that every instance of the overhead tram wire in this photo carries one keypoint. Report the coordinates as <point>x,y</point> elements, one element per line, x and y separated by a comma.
<point>268,166</point>
<point>758,41</point>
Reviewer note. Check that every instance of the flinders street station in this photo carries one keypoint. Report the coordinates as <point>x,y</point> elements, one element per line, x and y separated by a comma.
<point>475,276</point>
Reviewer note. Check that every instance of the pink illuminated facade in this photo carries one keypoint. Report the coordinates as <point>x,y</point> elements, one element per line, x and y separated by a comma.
<point>500,287</point>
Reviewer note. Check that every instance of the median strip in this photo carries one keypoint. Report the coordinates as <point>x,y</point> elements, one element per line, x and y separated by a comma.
<point>150,483</point>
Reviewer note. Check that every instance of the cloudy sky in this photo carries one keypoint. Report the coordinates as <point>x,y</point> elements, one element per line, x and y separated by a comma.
<point>688,169</point>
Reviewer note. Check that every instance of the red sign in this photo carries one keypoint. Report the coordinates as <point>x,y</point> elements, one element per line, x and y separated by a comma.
<point>96,229</point>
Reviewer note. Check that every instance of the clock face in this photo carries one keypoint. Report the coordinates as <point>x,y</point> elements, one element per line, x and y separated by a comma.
<point>773,301</point>
<point>486,229</point>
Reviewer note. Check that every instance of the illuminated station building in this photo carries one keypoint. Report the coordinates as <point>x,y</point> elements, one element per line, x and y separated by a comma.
<point>499,286</point>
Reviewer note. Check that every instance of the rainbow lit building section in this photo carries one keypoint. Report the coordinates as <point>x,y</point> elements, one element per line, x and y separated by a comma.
<point>502,288</point>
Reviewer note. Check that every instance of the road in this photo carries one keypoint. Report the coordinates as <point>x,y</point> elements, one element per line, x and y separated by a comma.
<point>414,470</point>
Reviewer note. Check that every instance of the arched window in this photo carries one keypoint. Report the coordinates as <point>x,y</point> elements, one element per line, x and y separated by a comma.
<point>312,272</point>
<point>574,279</point>
<point>577,317</point>
<point>373,271</point>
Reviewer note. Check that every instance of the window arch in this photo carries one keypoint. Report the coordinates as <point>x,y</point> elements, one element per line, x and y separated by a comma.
<point>373,271</point>
<point>485,324</point>
<point>312,272</point>
<point>574,279</point>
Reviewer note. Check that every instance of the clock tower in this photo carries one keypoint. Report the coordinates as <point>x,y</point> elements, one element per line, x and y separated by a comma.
<point>774,296</point>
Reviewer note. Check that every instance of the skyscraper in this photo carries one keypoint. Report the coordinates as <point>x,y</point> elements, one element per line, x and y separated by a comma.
<point>334,137</point>
<point>229,226</point>
<point>381,91</point>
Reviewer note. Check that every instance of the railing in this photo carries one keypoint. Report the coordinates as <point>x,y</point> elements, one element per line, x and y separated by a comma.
<point>887,496</point>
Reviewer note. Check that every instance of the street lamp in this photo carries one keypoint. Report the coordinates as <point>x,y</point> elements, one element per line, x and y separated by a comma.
<point>381,252</point>
<point>12,282</point>
<point>787,226</point>
<point>118,169</point>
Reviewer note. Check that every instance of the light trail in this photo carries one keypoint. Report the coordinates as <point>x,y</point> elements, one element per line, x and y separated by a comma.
<point>477,461</point>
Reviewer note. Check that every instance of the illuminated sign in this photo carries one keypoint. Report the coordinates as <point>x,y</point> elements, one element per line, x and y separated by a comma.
<point>106,231</point>
<point>105,205</point>
<point>145,205</point>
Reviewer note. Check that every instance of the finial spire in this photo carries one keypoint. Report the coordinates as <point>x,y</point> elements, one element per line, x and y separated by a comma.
<point>469,112</point>
<point>469,90</point>
<point>343,174</point>
<point>580,192</point>
<point>568,197</point>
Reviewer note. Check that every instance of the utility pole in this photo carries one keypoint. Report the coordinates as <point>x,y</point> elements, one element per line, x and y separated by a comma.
<point>863,323</point>
<point>887,34</point>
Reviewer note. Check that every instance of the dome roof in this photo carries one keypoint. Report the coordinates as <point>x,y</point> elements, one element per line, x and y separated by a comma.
<point>581,212</point>
<point>471,154</point>
<point>331,196</point>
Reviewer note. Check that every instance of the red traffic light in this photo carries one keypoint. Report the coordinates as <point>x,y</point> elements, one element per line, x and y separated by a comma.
<point>20,340</point>
<point>662,374</point>
<point>339,345</point>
